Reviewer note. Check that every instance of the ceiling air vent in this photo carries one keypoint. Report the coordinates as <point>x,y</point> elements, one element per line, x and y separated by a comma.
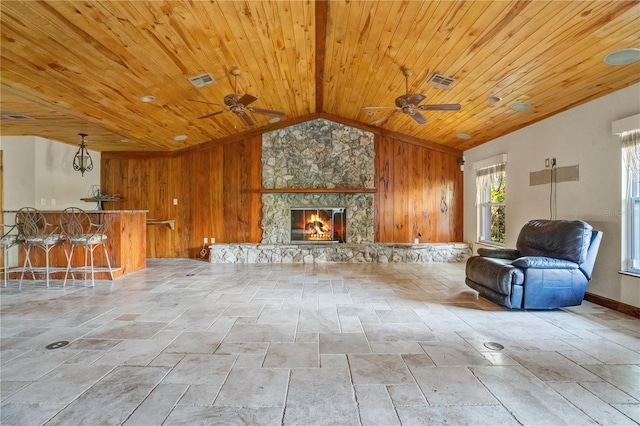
<point>441,81</point>
<point>16,117</point>
<point>202,80</point>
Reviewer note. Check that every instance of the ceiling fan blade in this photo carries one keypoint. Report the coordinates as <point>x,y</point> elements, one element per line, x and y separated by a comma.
<point>413,98</point>
<point>267,112</point>
<point>385,118</point>
<point>207,102</point>
<point>213,113</point>
<point>440,107</point>
<point>380,107</point>
<point>247,99</point>
<point>419,118</point>
<point>245,117</point>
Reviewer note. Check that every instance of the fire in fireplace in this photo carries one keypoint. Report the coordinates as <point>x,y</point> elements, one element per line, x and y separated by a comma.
<point>326,224</point>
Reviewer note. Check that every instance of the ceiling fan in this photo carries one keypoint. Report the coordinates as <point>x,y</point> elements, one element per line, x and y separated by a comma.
<point>239,105</point>
<point>409,104</point>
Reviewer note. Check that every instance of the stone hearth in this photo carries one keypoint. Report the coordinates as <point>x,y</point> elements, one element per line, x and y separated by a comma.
<point>339,253</point>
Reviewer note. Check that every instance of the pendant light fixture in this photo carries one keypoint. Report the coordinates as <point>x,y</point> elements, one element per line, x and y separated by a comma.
<point>82,160</point>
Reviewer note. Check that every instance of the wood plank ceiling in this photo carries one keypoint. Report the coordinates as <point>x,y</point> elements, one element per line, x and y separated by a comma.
<point>82,66</point>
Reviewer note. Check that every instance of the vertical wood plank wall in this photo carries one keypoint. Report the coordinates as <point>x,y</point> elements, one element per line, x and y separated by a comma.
<point>215,188</point>
<point>419,191</point>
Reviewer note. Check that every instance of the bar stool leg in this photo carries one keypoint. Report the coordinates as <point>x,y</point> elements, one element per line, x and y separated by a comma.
<point>24,266</point>
<point>66,274</point>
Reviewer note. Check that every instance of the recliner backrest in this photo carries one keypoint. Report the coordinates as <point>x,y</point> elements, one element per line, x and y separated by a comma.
<point>587,266</point>
<point>559,239</point>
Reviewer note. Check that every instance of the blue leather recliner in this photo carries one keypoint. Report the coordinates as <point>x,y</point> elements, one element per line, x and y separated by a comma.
<point>550,267</point>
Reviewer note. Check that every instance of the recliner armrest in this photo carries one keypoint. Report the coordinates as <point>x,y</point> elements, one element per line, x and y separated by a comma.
<point>544,263</point>
<point>499,253</point>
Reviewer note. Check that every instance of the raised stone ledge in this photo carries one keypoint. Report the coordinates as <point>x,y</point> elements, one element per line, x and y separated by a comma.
<point>339,253</point>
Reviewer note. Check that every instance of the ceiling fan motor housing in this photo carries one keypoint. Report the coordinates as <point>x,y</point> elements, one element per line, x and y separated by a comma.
<point>232,100</point>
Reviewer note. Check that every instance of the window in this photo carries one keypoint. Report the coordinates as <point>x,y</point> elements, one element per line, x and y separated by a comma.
<point>631,161</point>
<point>490,184</point>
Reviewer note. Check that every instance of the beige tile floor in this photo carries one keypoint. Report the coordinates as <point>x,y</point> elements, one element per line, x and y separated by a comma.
<point>186,342</point>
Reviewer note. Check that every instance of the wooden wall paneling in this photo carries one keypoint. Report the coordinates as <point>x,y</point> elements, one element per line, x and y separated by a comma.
<point>254,232</point>
<point>415,184</point>
<point>457,197</point>
<point>443,194</point>
<point>428,201</point>
<point>401,228</point>
<point>231,201</point>
<point>433,196</point>
<point>245,178</point>
<point>383,207</point>
<point>216,196</point>
<point>193,169</point>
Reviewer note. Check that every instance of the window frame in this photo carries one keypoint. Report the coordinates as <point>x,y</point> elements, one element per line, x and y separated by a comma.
<point>633,207</point>
<point>485,215</point>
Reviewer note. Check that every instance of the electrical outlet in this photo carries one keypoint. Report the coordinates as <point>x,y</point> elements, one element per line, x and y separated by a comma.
<point>53,201</point>
<point>213,240</point>
<point>175,201</point>
<point>205,240</point>
<point>43,201</point>
<point>547,163</point>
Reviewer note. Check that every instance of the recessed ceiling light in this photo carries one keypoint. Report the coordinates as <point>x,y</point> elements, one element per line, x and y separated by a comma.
<point>274,119</point>
<point>124,140</point>
<point>622,56</point>
<point>521,107</point>
<point>494,99</point>
<point>147,98</point>
<point>464,136</point>
<point>179,137</point>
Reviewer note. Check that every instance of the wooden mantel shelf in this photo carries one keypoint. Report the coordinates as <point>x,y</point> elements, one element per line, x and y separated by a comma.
<point>317,190</point>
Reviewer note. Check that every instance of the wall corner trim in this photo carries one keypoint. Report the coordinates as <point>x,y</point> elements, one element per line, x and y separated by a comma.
<point>625,124</point>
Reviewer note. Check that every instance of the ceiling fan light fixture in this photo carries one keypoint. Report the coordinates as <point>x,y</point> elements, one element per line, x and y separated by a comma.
<point>147,98</point>
<point>521,107</point>
<point>622,56</point>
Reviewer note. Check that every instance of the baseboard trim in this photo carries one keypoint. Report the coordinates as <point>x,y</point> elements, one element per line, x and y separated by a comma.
<point>613,304</point>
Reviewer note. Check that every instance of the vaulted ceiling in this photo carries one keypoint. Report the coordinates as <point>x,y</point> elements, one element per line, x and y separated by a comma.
<point>82,66</point>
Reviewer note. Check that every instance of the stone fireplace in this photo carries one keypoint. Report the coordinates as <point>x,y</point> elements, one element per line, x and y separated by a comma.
<point>314,156</point>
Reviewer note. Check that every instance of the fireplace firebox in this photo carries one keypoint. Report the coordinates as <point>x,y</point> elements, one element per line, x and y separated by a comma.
<point>322,224</point>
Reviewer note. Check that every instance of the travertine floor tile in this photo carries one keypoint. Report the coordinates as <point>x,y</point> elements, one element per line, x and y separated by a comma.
<point>336,344</point>
<point>254,387</point>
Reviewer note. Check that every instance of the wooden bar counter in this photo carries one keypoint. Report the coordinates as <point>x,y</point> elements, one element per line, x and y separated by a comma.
<point>126,244</point>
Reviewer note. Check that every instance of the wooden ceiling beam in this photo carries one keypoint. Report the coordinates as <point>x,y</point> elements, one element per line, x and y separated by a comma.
<point>321,24</point>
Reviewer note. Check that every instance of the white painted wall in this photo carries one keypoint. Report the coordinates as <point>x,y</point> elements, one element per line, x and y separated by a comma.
<point>36,168</point>
<point>18,171</point>
<point>580,136</point>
